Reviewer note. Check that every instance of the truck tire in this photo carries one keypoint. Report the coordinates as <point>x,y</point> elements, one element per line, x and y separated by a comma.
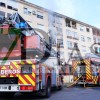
<point>98,83</point>
<point>48,89</point>
<point>61,86</point>
<point>6,95</point>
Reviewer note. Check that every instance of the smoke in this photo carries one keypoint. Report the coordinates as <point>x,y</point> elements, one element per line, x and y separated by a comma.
<point>65,7</point>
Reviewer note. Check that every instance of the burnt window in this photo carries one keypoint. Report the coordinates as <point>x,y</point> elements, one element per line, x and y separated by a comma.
<point>2,4</point>
<point>68,24</point>
<point>74,24</point>
<point>9,7</point>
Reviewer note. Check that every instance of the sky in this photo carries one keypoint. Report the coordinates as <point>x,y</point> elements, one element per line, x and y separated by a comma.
<point>87,11</point>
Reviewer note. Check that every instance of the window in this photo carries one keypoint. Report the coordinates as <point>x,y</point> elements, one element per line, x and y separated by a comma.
<point>74,24</point>
<point>59,29</point>
<point>72,34</point>
<point>29,11</point>
<point>25,10</point>
<point>2,4</point>
<point>87,29</point>
<point>2,14</point>
<point>88,39</point>
<point>96,49</point>
<point>83,38</point>
<point>15,9</point>
<point>81,28</point>
<point>98,40</point>
<point>60,41</point>
<point>83,49</point>
<point>34,12</point>
<point>9,7</point>
<point>98,33</point>
<point>94,39</point>
<point>58,20</point>
<point>69,33</point>
<point>69,45</point>
<point>40,15</point>
<point>68,24</point>
<point>12,8</point>
<point>75,35</point>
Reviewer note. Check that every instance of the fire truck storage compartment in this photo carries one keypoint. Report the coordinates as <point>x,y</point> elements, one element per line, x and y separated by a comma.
<point>33,43</point>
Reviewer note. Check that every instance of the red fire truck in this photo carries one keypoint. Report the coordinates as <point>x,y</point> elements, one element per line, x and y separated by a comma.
<point>86,71</point>
<point>26,61</point>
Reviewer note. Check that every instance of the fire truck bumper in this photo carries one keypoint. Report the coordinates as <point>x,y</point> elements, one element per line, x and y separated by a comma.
<point>16,88</point>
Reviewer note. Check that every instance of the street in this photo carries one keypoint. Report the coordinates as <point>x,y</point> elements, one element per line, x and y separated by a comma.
<point>75,93</point>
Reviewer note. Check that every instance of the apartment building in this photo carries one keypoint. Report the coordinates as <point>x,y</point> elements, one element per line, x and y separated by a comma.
<point>66,31</point>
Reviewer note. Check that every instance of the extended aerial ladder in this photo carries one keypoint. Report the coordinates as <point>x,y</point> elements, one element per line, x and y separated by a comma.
<point>16,22</point>
<point>77,57</point>
<point>85,70</point>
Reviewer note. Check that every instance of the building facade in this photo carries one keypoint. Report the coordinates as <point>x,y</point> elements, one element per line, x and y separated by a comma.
<point>96,37</point>
<point>66,31</point>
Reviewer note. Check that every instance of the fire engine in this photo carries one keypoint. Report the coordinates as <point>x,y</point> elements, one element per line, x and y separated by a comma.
<point>86,70</point>
<point>26,60</point>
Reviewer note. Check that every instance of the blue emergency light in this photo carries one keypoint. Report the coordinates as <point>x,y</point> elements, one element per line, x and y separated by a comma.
<point>22,25</point>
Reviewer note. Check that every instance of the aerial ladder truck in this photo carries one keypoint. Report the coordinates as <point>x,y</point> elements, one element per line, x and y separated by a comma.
<point>85,70</point>
<point>26,60</point>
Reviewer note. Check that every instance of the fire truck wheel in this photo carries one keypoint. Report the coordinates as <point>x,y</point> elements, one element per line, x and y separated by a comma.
<point>98,83</point>
<point>48,89</point>
<point>61,86</point>
<point>6,95</point>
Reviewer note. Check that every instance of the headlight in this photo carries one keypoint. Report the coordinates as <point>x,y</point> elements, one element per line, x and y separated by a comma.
<point>26,69</point>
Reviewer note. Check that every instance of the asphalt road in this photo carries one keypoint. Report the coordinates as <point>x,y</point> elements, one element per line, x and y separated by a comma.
<point>75,93</point>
